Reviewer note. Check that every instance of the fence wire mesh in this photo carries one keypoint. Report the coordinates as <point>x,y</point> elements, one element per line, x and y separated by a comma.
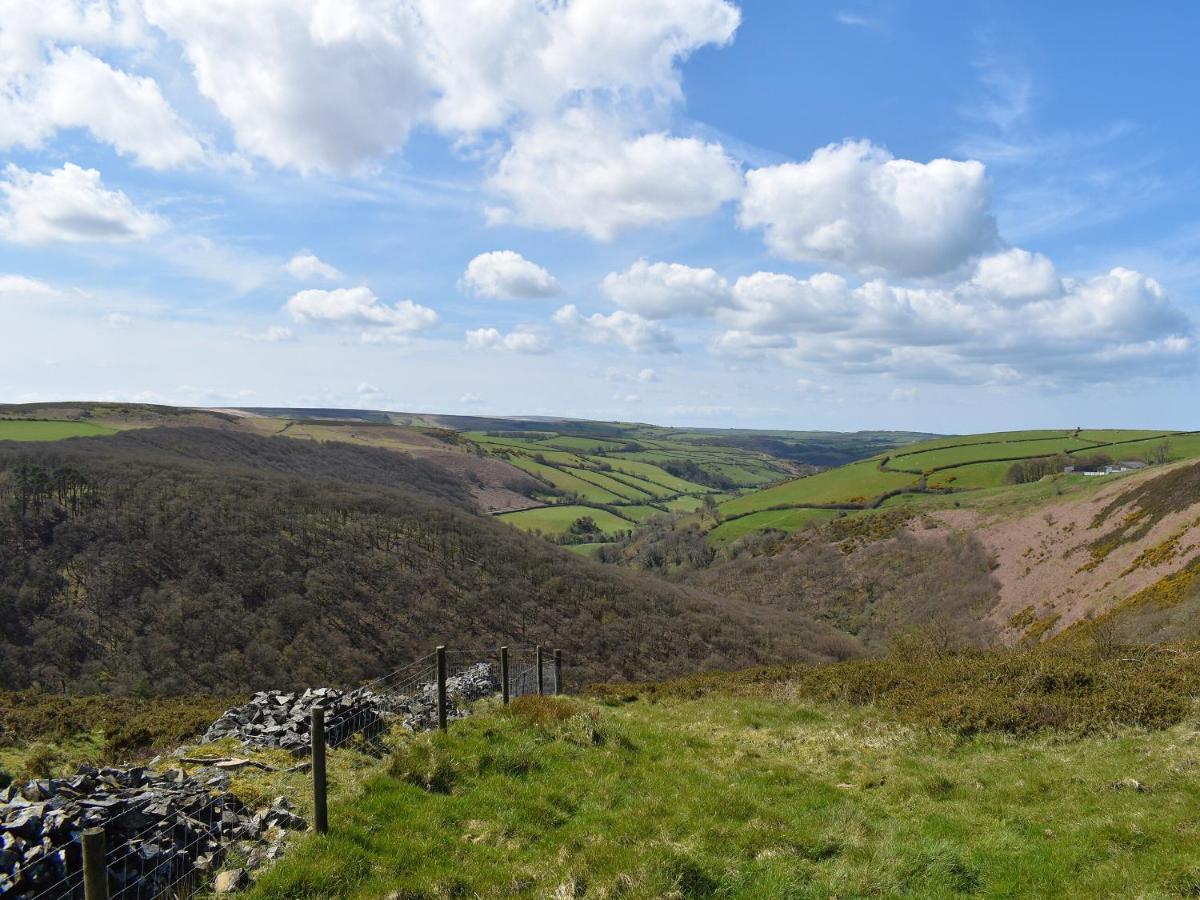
<point>178,856</point>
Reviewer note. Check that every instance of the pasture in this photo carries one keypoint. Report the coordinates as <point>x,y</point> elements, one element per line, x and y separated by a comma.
<point>557,520</point>
<point>49,430</point>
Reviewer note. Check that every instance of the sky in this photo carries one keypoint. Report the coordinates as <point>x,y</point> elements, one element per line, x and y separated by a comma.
<point>939,216</point>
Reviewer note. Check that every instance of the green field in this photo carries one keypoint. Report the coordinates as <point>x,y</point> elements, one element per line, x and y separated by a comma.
<point>933,459</point>
<point>567,481</point>
<point>861,480</point>
<point>556,520</point>
<point>640,513</point>
<point>779,519</point>
<point>959,465</point>
<point>18,430</point>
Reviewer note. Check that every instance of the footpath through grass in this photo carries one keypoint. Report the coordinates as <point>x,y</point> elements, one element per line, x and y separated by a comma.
<point>729,794</point>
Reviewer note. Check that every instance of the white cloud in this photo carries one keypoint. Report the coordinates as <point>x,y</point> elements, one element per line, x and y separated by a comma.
<point>307,266</point>
<point>771,302</point>
<point>587,174</point>
<point>507,275</point>
<point>626,329</point>
<point>20,287</point>
<point>340,83</point>
<point>567,49</point>
<point>311,84</point>
<point>50,82</point>
<point>470,399</point>
<point>118,320</point>
<point>368,391</point>
<point>1016,276</point>
<point>127,112</point>
<point>666,290</point>
<point>1013,318</point>
<point>647,375</point>
<point>854,205</point>
<point>69,204</point>
<point>519,341</point>
<point>359,307</point>
<point>275,334</point>
<point>904,395</point>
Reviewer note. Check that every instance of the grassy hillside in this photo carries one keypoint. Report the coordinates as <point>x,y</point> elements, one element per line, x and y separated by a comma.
<point>966,463</point>
<point>762,785</point>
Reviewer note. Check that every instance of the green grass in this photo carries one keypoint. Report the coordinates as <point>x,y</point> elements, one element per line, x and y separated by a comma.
<point>18,430</point>
<point>565,481</point>
<point>745,797</point>
<point>653,473</point>
<point>555,520</point>
<point>605,482</point>
<point>861,480</point>
<point>640,513</point>
<point>967,454</point>
<point>780,519</point>
<point>684,504</point>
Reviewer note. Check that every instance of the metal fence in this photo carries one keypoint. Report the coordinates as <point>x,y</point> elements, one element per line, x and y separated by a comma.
<point>178,857</point>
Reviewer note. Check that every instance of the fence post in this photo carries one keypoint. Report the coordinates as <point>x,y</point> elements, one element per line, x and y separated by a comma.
<point>441,687</point>
<point>320,804</point>
<point>557,672</point>
<point>95,872</point>
<point>504,673</point>
<point>540,684</point>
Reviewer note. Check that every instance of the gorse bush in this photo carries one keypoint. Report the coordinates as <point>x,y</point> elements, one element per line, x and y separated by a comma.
<point>1071,688</point>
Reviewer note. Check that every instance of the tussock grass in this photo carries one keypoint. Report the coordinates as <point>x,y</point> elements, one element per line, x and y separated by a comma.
<point>734,795</point>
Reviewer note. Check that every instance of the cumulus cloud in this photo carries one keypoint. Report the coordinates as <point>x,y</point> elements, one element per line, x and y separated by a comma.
<point>855,205</point>
<point>584,173</point>
<point>49,82</point>
<point>519,341</point>
<point>626,329</point>
<point>1013,318</point>
<point>341,84</point>
<point>666,290</point>
<point>359,307</point>
<point>69,204</point>
<point>507,275</point>
<point>307,266</point>
<point>586,47</point>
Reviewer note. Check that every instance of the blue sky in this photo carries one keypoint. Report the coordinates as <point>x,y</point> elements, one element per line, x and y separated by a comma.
<point>938,216</point>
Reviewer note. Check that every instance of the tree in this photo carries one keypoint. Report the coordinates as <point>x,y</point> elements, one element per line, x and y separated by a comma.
<point>1159,454</point>
<point>584,525</point>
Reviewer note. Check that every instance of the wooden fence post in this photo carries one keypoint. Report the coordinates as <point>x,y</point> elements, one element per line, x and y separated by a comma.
<point>441,687</point>
<point>95,872</point>
<point>557,672</point>
<point>540,684</point>
<point>320,785</point>
<point>504,673</point>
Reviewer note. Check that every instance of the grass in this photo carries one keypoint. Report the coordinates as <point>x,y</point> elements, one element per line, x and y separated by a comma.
<point>45,430</point>
<point>864,481</point>
<point>728,795</point>
<point>565,481</point>
<point>780,519</point>
<point>641,513</point>
<point>861,481</point>
<point>556,520</point>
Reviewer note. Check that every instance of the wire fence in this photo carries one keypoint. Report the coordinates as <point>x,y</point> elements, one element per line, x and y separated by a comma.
<point>179,854</point>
